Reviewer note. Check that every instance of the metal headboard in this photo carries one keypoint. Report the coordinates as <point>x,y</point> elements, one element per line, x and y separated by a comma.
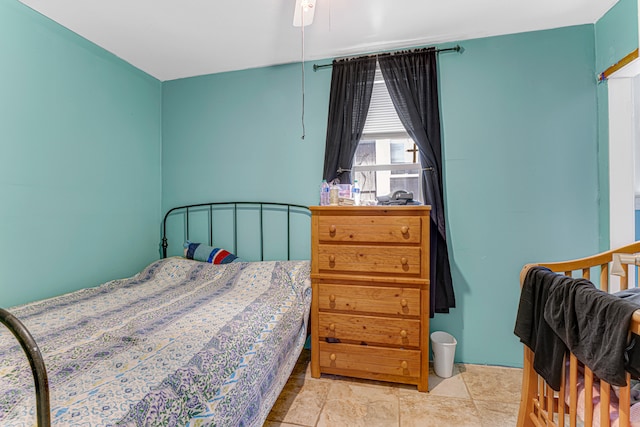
<point>291,209</point>
<point>36,362</point>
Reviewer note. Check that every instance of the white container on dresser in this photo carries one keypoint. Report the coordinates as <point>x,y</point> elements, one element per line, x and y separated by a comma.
<point>370,284</point>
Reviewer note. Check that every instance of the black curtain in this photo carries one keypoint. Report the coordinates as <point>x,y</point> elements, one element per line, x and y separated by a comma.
<point>351,88</point>
<point>412,81</point>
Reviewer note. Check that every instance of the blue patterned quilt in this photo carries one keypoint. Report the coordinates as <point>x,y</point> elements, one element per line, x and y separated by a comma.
<point>181,343</point>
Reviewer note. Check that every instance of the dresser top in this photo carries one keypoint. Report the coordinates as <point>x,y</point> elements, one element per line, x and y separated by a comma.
<point>370,209</point>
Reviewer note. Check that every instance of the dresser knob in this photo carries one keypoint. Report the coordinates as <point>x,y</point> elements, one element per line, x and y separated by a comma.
<point>332,357</point>
<point>403,333</point>
<point>404,302</point>
<point>332,229</point>
<point>332,258</point>
<point>332,298</point>
<point>332,327</point>
<point>404,229</point>
<point>403,365</point>
<point>404,261</point>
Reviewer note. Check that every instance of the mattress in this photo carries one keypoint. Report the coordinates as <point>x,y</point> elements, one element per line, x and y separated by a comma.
<point>181,343</point>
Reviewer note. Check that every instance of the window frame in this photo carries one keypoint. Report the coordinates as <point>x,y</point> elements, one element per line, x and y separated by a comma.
<point>416,168</point>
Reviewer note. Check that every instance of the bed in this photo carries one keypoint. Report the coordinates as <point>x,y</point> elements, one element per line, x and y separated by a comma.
<point>579,321</point>
<point>183,342</point>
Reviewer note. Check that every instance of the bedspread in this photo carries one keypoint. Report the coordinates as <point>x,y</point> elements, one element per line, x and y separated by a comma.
<point>181,343</point>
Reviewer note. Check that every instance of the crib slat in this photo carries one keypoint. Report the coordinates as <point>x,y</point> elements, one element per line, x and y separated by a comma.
<point>588,397</point>
<point>561,395</point>
<point>624,406</point>
<point>573,390</point>
<point>540,401</point>
<point>605,400</point>
<point>604,277</point>
<point>550,405</point>
<point>529,389</point>
<point>586,273</point>
<point>624,280</point>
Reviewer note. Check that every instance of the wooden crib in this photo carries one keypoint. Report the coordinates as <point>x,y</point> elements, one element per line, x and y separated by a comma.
<point>540,405</point>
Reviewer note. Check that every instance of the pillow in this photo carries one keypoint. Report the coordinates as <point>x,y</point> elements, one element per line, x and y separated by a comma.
<point>200,252</point>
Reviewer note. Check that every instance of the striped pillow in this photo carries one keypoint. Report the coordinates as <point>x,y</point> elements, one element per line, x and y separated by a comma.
<point>200,252</point>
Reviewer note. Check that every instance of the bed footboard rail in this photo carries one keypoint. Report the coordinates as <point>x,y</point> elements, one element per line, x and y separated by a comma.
<point>540,405</point>
<point>36,362</point>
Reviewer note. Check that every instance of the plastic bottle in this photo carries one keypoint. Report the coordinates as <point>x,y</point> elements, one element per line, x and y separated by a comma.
<point>334,195</point>
<point>355,193</point>
<point>324,193</point>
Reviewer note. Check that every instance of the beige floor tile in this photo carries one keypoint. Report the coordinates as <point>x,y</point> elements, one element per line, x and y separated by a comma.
<point>497,414</point>
<point>493,383</point>
<point>368,383</point>
<point>474,396</point>
<point>278,424</point>
<point>427,410</point>
<point>453,386</point>
<point>354,405</point>
<point>300,402</point>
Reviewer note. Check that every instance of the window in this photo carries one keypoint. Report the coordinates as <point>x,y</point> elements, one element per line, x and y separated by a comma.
<point>386,159</point>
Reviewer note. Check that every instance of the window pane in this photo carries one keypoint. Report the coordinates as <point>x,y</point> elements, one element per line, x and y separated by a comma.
<point>385,149</point>
<point>367,182</point>
<point>383,155</point>
<point>397,152</point>
<point>365,153</point>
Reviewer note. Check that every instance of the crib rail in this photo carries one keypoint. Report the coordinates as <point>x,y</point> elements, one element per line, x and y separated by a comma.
<point>36,362</point>
<point>540,404</point>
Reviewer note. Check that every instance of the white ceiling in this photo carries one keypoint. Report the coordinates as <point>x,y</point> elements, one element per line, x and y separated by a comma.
<point>171,39</point>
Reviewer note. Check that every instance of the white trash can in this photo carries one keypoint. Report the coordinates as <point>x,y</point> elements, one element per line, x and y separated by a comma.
<point>443,346</point>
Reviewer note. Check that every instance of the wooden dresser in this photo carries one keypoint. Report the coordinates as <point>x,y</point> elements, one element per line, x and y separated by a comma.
<point>370,282</point>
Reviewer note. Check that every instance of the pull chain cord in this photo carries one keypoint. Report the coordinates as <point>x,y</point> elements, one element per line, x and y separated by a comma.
<point>302,29</point>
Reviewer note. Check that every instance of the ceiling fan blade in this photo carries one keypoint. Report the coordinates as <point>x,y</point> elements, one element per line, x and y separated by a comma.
<point>303,14</point>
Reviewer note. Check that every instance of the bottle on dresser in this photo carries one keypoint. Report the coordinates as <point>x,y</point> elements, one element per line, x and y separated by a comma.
<point>324,193</point>
<point>355,193</point>
<point>334,194</point>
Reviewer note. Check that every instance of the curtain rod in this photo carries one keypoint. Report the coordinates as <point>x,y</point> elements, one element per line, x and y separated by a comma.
<point>456,48</point>
<point>615,67</point>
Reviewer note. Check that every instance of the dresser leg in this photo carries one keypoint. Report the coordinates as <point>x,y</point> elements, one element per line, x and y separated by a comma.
<point>315,359</point>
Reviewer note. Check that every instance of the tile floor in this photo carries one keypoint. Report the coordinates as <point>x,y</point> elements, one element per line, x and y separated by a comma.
<point>475,396</point>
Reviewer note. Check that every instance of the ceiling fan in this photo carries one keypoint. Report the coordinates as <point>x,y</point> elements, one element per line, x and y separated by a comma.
<point>303,14</point>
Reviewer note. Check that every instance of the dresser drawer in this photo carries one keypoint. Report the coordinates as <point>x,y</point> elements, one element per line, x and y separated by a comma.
<point>398,260</point>
<point>369,299</point>
<point>370,229</point>
<point>352,359</point>
<point>369,330</point>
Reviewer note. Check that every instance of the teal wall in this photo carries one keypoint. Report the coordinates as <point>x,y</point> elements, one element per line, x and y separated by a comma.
<point>521,178</point>
<point>237,136</point>
<point>80,165</point>
<point>616,35</point>
<point>519,135</point>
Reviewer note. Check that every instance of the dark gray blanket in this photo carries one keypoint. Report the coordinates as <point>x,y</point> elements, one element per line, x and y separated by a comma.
<point>593,324</point>
<point>559,313</point>
<point>534,331</point>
